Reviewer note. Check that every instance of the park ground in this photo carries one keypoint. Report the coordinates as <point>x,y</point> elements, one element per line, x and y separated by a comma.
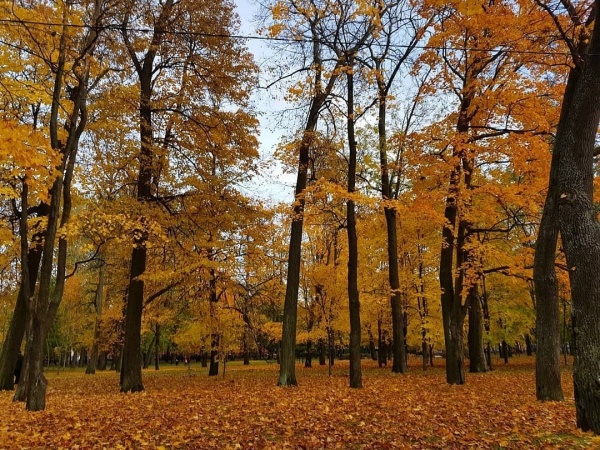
<point>183,408</point>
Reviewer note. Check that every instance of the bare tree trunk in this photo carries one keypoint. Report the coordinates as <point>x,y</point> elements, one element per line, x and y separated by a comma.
<point>477,360</point>
<point>353,296</point>
<point>149,352</point>
<point>399,358</point>
<point>213,369</point>
<point>131,361</point>
<point>16,329</point>
<point>93,360</point>
<point>452,309</point>
<point>156,347</point>
<point>287,368</point>
<point>308,359</point>
<point>131,371</point>
<point>580,230</point>
<point>547,324</point>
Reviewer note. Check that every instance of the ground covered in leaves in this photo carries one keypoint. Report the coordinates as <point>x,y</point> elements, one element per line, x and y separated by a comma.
<point>182,408</point>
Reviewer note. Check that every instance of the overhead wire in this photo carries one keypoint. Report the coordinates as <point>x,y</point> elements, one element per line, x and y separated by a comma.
<point>255,37</point>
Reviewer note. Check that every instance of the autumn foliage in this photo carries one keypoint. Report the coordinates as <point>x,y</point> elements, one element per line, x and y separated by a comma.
<point>422,134</point>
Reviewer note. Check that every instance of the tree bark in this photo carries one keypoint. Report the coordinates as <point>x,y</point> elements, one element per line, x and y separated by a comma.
<point>93,360</point>
<point>147,357</point>
<point>287,368</point>
<point>399,357</point>
<point>381,345</point>
<point>52,279</point>
<point>213,369</point>
<point>477,360</point>
<point>547,324</point>
<point>580,231</point>
<point>131,366</point>
<point>308,359</point>
<point>353,295</point>
<point>16,329</point>
<point>322,351</point>
<point>452,309</point>
<point>131,371</point>
<point>102,360</point>
<point>453,253</point>
<point>157,347</point>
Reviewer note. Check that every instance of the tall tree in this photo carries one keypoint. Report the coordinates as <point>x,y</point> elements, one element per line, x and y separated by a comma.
<point>482,61</point>
<point>578,223</point>
<point>323,79</point>
<point>399,19</point>
<point>24,83</point>
<point>131,370</point>
<point>42,307</point>
<point>353,295</point>
<point>98,301</point>
<point>548,378</point>
<point>195,142</point>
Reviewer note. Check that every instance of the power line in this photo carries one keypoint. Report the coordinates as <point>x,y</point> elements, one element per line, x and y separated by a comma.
<point>115,27</point>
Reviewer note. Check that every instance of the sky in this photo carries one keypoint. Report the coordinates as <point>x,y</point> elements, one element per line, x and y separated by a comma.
<point>273,185</point>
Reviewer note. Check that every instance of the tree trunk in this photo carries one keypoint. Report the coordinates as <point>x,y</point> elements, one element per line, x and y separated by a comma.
<point>431,355</point>
<point>331,350</point>
<point>399,357</point>
<point>505,351</point>
<point>322,352</point>
<point>287,368</point>
<point>372,348</point>
<point>488,355</point>
<point>382,352</point>
<point>35,392</point>
<point>213,369</point>
<point>451,276</point>
<point>580,231</point>
<point>547,324</point>
<point>477,361</point>
<point>18,322</point>
<point>43,307</point>
<point>93,360</point>
<point>528,349</point>
<point>131,371</point>
<point>353,296</point>
<point>398,336</point>
<point>102,360</point>
<point>147,357</point>
<point>156,347</point>
<point>452,309</point>
<point>308,359</point>
<point>131,368</point>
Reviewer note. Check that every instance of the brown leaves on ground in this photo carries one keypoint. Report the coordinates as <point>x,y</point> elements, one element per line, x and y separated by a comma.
<point>185,409</point>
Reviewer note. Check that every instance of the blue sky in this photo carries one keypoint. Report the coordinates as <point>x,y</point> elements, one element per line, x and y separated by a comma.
<point>272,185</point>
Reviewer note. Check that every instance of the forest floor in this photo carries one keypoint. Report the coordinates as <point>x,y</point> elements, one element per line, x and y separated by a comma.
<point>182,408</point>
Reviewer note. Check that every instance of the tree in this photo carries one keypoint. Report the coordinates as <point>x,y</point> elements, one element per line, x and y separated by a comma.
<point>398,19</point>
<point>35,162</point>
<point>485,61</point>
<point>311,22</point>
<point>195,133</point>
<point>548,378</point>
<point>578,224</point>
<point>72,80</point>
